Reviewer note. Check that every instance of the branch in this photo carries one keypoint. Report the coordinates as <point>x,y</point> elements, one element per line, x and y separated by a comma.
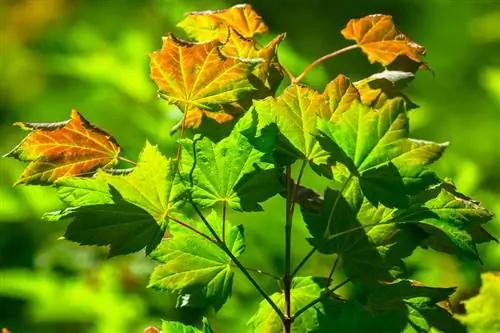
<point>287,278</point>
<point>237,262</point>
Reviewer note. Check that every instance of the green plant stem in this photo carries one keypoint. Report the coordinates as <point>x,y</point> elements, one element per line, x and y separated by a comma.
<point>330,276</point>
<point>287,278</point>
<point>369,226</point>
<point>288,73</point>
<point>224,208</point>
<point>183,126</point>
<point>124,159</point>
<point>332,211</point>
<point>304,260</point>
<point>325,294</point>
<point>323,58</point>
<point>185,225</point>
<point>235,260</point>
<point>259,271</point>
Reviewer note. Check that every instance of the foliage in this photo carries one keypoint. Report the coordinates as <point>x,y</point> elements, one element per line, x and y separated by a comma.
<point>381,203</point>
<point>482,315</point>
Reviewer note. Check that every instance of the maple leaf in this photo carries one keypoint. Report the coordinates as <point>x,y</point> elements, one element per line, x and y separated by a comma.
<point>127,212</point>
<point>482,310</point>
<point>214,24</point>
<point>68,148</point>
<point>377,89</point>
<point>374,146</point>
<point>190,265</point>
<point>296,111</point>
<point>381,41</point>
<point>399,306</point>
<point>199,79</point>
<point>268,72</point>
<point>233,169</point>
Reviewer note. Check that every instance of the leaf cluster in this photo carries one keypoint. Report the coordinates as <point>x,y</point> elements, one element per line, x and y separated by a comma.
<point>381,200</point>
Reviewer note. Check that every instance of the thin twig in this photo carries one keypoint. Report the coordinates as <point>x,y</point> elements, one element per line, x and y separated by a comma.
<point>334,206</point>
<point>224,206</point>
<point>287,278</point>
<point>296,189</point>
<point>124,159</point>
<point>325,294</point>
<point>323,58</point>
<point>304,260</point>
<point>183,126</point>
<point>237,262</point>
<point>259,271</point>
<point>330,276</point>
<point>191,228</point>
<point>288,73</point>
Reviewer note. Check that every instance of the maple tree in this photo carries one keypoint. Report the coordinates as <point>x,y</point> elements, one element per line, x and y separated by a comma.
<point>381,202</point>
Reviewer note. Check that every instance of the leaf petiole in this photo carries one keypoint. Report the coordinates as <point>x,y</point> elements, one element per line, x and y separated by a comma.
<point>323,58</point>
<point>124,159</point>
<point>325,294</point>
<point>237,262</point>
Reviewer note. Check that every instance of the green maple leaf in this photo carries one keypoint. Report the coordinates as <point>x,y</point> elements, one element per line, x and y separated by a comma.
<point>400,306</point>
<point>374,146</point>
<point>482,310</point>
<point>177,327</point>
<point>346,224</point>
<point>191,265</point>
<point>294,112</point>
<point>233,169</point>
<point>372,240</point>
<point>453,220</point>
<point>127,212</point>
<point>382,87</point>
<point>304,290</point>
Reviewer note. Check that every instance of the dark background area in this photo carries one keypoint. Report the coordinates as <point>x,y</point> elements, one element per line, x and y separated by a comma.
<point>91,55</point>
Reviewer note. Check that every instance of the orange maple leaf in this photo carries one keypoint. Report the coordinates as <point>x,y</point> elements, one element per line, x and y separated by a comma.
<point>381,41</point>
<point>68,148</point>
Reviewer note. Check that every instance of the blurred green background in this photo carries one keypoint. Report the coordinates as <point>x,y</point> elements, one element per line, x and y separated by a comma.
<point>92,55</point>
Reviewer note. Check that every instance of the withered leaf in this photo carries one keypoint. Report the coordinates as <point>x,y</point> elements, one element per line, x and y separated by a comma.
<point>214,24</point>
<point>268,72</point>
<point>68,148</point>
<point>199,79</point>
<point>381,41</point>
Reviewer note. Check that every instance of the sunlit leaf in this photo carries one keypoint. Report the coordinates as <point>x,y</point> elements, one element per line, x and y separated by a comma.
<point>482,310</point>
<point>304,290</point>
<point>189,264</point>
<point>350,226</point>
<point>177,327</point>
<point>453,220</point>
<point>375,148</point>
<point>294,112</point>
<point>268,72</point>
<point>69,148</point>
<point>232,170</point>
<point>199,79</point>
<point>214,24</point>
<point>154,185</point>
<point>381,41</point>
<point>377,89</point>
<point>127,212</point>
<point>339,94</point>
